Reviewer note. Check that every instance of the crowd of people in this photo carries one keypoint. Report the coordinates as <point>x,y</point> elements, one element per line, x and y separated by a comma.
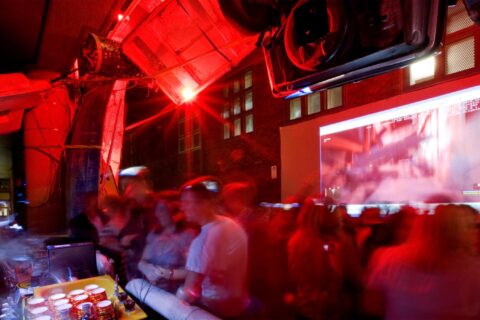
<point>215,248</point>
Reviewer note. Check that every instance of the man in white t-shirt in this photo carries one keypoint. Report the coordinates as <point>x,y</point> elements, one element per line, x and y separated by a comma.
<point>217,259</point>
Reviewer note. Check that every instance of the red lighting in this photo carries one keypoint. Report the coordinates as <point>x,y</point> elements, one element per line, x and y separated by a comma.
<point>187,94</point>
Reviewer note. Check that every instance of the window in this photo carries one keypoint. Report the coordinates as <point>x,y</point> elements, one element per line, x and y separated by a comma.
<point>236,86</point>
<point>237,127</point>
<point>460,55</point>
<point>226,131</point>
<point>236,106</point>
<point>458,18</point>
<point>295,108</point>
<point>226,112</point>
<point>248,101</point>
<point>459,52</point>
<point>241,110</point>
<point>334,97</point>
<point>248,79</point>
<point>422,70</point>
<point>189,137</point>
<point>226,124</point>
<point>181,135</point>
<point>248,123</point>
<point>313,103</point>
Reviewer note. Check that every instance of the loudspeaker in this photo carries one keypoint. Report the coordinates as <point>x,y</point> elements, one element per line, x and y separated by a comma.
<point>473,8</point>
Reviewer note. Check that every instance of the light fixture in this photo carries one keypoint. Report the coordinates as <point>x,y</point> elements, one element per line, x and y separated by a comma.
<point>188,94</point>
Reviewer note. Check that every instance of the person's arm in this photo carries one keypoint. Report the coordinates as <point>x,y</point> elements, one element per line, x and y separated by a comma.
<point>171,274</point>
<point>149,270</point>
<point>192,289</point>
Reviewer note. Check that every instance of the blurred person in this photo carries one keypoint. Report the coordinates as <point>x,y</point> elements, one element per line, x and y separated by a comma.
<point>238,199</point>
<point>86,225</point>
<point>217,260</point>
<point>164,257</point>
<point>321,262</point>
<point>399,225</point>
<point>136,189</point>
<point>279,230</point>
<point>473,214</point>
<point>123,234</point>
<point>135,184</point>
<point>371,233</point>
<point>433,275</point>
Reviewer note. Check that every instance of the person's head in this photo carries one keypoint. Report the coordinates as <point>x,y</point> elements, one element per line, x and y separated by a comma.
<point>318,217</point>
<point>166,207</point>
<point>435,237</point>
<point>163,214</point>
<point>370,216</point>
<point>238,196</point>
<point>135,183</point>
<point>198,203</point>
<point>400,224</point>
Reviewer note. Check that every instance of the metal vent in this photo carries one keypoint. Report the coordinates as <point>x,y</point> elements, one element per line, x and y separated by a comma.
<point>460,55</point>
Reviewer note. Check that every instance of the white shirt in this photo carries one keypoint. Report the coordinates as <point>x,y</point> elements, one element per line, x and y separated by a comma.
<point>220,253</point>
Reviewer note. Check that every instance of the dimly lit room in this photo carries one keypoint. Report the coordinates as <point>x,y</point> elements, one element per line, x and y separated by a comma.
<point>239,159</point>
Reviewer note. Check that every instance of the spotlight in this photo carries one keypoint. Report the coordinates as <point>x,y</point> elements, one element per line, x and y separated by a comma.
<point>187,94</point>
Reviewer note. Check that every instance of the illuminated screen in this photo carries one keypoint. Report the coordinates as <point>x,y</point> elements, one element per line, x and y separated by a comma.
<point>405,154</point>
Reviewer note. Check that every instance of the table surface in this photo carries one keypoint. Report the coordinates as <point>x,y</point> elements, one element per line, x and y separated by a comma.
<point>105,282</point>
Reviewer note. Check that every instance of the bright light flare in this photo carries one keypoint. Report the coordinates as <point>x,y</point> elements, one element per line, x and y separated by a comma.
<point>188,94</point>
<point>120,17</point>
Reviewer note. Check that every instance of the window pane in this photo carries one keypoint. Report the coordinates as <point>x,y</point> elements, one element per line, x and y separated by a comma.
<point>295,108</point>
<point>458,18</point>
<point>248,79</point>
<point>197,141</point>
<point>195,126</point>
<point>226,91</point>
<point>249,123</point>
<point>181,145</point>
<point>248,101</point>
<point>422,70</point>
<point>334,97</point>
<point>181,127</point>
<point>226,131</point>
<point>313,101</point>
<point>460,55</point>
<point>226,112</point>
<point>236,86</point>
<point>236,106</point>
<point>237,127</point>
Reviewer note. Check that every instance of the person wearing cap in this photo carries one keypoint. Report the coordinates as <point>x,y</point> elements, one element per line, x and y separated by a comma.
<point>216,265</point>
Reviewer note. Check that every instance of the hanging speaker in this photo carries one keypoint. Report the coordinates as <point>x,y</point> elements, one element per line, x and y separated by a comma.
<point>327,43</point>
<point>316,32</point>
<point>473,8</point>
<point>380,22</point>
<point>250,16</point>
<point>102,56</point>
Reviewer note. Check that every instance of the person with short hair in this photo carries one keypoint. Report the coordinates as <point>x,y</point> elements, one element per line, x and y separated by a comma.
<point>217,260</point>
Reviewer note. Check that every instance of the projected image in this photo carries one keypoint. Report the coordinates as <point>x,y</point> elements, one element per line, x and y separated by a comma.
<point>405,154</point>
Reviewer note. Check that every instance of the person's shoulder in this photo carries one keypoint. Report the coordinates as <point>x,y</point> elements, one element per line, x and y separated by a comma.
<point>224,225</point>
